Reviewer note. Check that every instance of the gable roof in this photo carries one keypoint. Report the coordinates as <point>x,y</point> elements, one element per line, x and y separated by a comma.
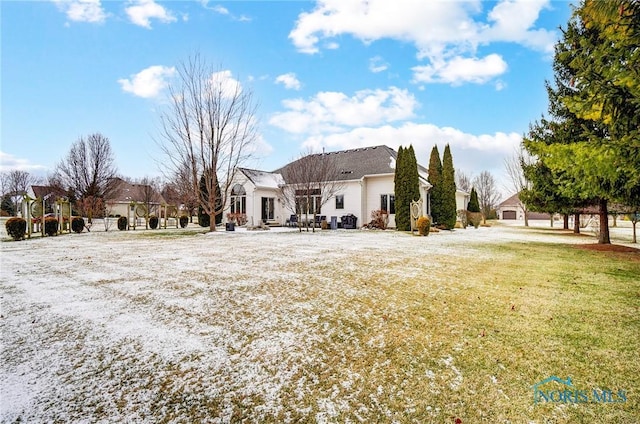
<point>263,178</point>
<point>355,164</point>
<point>40,191</point>
<point>125,192</point>
<point>511,201</point>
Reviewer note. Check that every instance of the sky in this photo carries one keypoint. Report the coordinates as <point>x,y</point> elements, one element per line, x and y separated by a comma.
<point>328,74</point>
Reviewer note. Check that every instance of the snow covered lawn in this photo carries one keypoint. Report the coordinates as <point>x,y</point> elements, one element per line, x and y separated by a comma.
<point>277,326</point>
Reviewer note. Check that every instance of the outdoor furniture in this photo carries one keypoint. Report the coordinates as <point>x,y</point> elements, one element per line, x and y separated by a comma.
<point>293,221</point>
<point>349,221</point>
<point>319,219</point>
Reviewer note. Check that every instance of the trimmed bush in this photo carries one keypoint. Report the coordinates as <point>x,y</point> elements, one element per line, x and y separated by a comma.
<point>16,228</point>
<point>77,224</point>
<point>153,222</point>
<point>184,221</point>
<point>423,224</point>
<point>50,226</point>
<point>122,223</point>
<point>474,218</point>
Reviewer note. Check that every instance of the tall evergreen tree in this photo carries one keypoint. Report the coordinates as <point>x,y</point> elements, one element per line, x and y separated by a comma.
<point>448,211</point>
<point>203,218</point>
<point>591,144</point>
<point>435,179</point>
<point>407,186</point>
<point>400,189</point>
<point>474,204</point>
<point>414,178</point>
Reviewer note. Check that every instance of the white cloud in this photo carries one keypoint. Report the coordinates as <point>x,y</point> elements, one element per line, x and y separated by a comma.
<point>142,11</point>
<point>334,111</point>
<point>82,10</point>
<point>9,162</point>
<point>459,70</point>
<point>377,64</point>
<point>442,31</point>
<point>149,82</point>
<point>225,83</point>
<point>224,11</point>
<point>289,80</point>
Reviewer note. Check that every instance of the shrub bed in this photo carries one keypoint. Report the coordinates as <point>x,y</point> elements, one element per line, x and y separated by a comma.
<point>122,223</point>
<point>153,222</point>
<point>16,228</point>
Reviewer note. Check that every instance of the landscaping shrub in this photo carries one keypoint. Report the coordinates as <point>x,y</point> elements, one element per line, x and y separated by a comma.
<point>122,223</point>
<point>379,219</point>
<point>16,228</point>
<point>474,218</point>
<point>462,216</point>
<point>423,224</point>
<point>77,224</point>
<point>153,222</point>
<point>184,221</point>
<point>50,226</point>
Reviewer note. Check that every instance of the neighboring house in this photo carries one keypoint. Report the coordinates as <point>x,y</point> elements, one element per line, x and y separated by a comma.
<point>126,196</point>
<point>49,194</point>
<point>511,209</point>
<point>365,176</point>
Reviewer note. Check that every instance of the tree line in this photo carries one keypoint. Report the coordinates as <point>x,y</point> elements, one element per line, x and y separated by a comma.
<point>586,149</point>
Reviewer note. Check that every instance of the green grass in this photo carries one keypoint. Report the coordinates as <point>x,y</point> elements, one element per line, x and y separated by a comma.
<point>375,333</point>
<point>470,344</point>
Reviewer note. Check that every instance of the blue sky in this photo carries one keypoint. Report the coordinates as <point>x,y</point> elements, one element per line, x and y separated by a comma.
<point>330,74</point>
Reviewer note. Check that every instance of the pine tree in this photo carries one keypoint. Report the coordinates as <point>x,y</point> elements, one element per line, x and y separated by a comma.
<point>448,211</point>
<point>474,204</point>
<point>435,179</point>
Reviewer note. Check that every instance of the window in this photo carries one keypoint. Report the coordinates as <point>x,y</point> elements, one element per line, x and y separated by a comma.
<point>308,202</point>
<point>238,199</point>
<point>340,201</point>
<point>388,203</point>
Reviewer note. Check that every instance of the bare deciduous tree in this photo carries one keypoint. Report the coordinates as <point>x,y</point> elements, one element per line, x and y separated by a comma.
<point>311,181</point>
<point>463,181</point>
<point>209,128</point>
<point>514,166</point>
<point>88,173</point>
<point>17,186</point>
<point>487,189</point>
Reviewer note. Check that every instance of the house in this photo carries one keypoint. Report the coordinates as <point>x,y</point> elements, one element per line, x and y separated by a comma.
<point>512,209</point>
<point>127,197</point>
<point>48,194</point>
<point>363,178</point>
<point>462,199</point>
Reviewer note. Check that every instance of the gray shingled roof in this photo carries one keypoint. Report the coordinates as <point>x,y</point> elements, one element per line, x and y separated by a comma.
<point>356,163</point>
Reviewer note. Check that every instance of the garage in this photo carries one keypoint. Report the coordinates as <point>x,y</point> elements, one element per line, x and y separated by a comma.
<point>509,215</point>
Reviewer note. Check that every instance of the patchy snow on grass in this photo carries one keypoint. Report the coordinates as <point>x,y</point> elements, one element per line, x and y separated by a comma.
<point>223,327</point>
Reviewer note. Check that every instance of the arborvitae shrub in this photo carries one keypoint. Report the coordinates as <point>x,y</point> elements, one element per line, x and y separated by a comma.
<point>77,224</point>
<point>184,221</point>
<point>122,223</point>
<point>50,226</point>
<point>153,222</point>
<point>16,228</point>
<point>423,224</point>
